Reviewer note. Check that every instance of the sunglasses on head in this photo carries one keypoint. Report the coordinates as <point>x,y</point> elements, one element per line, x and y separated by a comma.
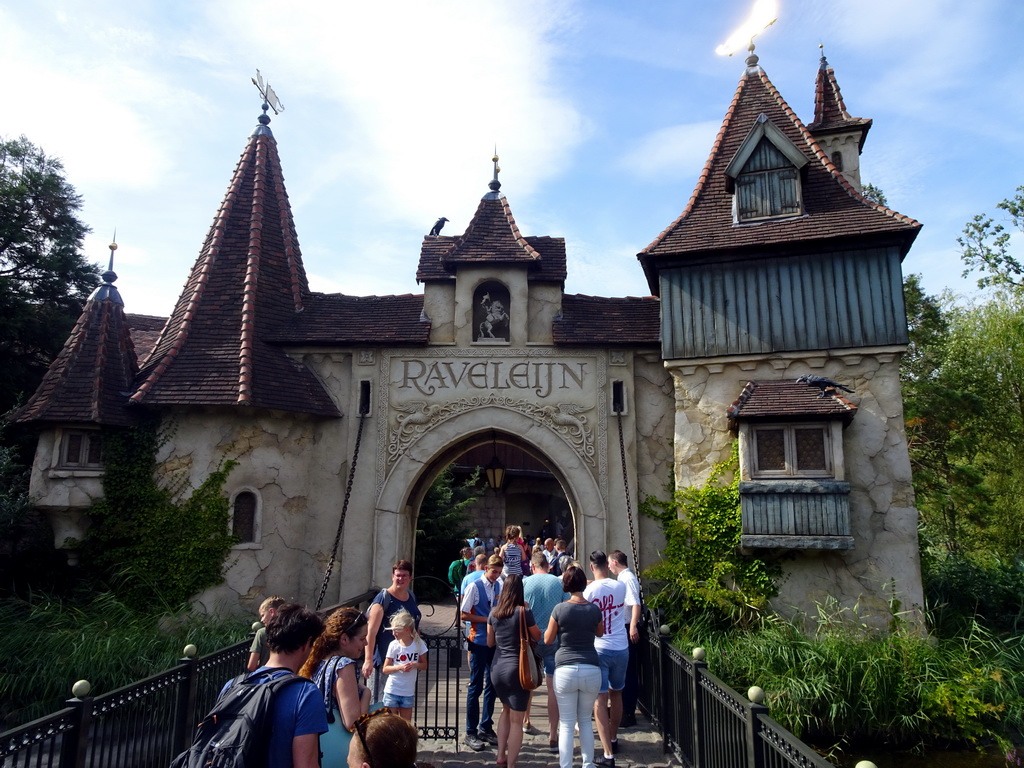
<point>360,729</point>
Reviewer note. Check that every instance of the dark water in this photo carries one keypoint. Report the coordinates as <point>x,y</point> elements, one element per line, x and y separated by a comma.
<point>932,759</point>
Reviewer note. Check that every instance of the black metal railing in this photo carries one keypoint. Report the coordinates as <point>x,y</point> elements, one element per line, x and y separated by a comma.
<point>704,722</point>
<point>141,725</point>
<point>438,686</point>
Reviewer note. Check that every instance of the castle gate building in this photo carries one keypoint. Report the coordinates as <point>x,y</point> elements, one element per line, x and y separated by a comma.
<point>776,320</point>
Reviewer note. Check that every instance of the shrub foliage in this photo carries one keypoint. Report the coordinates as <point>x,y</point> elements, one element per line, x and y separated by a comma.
<point>702,568</point>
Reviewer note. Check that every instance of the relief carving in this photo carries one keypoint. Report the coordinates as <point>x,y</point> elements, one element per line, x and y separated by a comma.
<point>417,416</point>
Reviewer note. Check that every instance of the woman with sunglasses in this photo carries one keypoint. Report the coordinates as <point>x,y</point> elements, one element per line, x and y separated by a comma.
<point>503,633</point>
<point>331,666</point>
<point>384,740</point>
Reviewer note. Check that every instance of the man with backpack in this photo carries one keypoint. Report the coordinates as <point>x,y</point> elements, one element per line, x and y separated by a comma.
<point>270,717</point>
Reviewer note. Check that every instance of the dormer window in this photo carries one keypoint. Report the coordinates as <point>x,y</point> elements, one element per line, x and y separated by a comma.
<point>764,175</point>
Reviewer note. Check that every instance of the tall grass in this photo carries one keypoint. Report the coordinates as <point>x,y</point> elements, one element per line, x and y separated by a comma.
<point>47,643</point>
<point>843,683</point>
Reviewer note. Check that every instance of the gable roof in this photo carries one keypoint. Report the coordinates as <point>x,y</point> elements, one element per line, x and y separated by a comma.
<point>247,282</point>
<point>789,401</point>
<point>832,206</point>
<point>91,378</point>
<point>600,321</point>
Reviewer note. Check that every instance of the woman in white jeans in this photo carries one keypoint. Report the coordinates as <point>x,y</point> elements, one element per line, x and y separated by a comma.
<point>576,623</point>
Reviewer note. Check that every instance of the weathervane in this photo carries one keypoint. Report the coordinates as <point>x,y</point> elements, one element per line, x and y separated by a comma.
<point>270,100</point>
<point>762,16</point>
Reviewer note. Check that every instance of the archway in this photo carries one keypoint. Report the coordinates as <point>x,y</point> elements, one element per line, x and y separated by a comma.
<point>410,477</point>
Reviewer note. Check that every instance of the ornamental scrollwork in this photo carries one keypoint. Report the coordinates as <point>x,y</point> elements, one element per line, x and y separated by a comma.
<point>416,417</point>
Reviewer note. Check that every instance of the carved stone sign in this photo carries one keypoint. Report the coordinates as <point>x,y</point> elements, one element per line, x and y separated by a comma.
<point>562,392</point>
<point>453,378</point>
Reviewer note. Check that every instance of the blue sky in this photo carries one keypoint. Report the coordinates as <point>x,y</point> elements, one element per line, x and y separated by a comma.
<point>603,114</point>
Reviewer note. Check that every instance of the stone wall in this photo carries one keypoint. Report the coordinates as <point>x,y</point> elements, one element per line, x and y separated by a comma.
<point>884,563</point>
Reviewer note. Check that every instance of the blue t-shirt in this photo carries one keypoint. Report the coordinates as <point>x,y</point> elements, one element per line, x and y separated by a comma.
<point>298,709</point>
<point>393,606</point>
<point>542,593</point>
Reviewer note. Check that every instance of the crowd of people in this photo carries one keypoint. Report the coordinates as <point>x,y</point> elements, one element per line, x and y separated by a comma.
<point>584,630</point>
<point>353,702</point>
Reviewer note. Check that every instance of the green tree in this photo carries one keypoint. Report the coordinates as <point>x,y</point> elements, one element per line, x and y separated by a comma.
<point>44,279</point>
<point>874,194</point>
<point>985,245</point>
<point>442,527</point>
<point>940,414</point>
<point>986,358</point>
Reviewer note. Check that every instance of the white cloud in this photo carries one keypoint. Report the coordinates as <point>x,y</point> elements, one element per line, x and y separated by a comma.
<point>678,151</point>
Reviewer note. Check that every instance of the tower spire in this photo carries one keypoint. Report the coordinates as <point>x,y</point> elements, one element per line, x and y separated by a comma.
<point>494,185</point>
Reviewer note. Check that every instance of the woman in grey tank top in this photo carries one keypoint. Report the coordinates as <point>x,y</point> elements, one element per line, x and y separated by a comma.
<point>576,623</point>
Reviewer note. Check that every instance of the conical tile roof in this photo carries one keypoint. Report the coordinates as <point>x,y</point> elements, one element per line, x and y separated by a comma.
<point>91,378</point>
<point>247,282</point>
<point>829,109</point>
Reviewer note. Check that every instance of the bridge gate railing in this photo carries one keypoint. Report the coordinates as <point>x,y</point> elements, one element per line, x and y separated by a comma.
<point>704,722</point>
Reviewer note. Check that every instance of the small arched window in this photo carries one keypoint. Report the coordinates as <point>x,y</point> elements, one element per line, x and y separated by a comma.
<point>837,160</point>
<point>244,518</point>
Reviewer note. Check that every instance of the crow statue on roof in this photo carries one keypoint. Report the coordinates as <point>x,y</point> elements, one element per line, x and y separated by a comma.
<point>823,383</point>
<point>438,226</point>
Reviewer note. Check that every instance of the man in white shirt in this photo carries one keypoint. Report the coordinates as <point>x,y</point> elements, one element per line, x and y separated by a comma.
<point>617,564</point>
<point>612,652</point>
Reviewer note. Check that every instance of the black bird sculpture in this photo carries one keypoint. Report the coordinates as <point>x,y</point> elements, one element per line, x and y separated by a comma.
<point>438,226</point>
<point>821,382</point>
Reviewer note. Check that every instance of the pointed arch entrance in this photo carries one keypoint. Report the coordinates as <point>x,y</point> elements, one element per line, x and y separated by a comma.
<point>409,478</point>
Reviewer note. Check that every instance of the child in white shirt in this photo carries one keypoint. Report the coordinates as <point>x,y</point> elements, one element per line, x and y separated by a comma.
<point>406,655</point>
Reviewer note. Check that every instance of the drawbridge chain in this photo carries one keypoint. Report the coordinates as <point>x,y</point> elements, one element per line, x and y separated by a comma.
<point>344,512</point>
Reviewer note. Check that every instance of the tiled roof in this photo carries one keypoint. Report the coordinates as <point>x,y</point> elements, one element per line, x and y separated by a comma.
<point>145,330</point>
<point>550,267</point>
<point>775,400</point>
<point>595,320</point>
<point>247,282</point>
<point>492,237</point>
<point>829,109</point>
<point>90,380</point>
<point>338,319</point>
<point>833,208</point>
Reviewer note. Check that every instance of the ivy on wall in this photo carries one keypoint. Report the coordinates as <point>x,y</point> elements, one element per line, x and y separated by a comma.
<point>154,548</point>
<point>703,569</point>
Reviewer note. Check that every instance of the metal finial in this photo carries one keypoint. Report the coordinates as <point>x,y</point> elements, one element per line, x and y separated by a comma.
<point>495,185</point>
<point>110,276</point>
<point>270,100</point>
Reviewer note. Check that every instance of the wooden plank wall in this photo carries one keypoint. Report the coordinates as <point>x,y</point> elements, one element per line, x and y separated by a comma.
<point>839,300</point>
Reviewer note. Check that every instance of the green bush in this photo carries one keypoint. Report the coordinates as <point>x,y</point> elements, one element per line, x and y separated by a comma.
<point>47,644</point>
<point>847,684</point>
<point>961,589</point>
<point>702,569</point>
